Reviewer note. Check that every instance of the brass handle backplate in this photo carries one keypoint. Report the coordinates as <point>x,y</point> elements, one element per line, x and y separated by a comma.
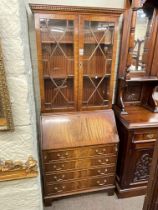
<point>103,183</point>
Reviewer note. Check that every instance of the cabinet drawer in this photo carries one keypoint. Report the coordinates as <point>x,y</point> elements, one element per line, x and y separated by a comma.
<point>84,184</point>
<point>63,176</point>
<point>78,152</point>
<point>148,136</point>
<point>79,164</point>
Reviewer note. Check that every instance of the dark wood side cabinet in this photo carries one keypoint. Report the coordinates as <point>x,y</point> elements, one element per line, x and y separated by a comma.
<point>76,59</point>
<point>138,132</point>
<point>136,100</point>
<point>151,199</point>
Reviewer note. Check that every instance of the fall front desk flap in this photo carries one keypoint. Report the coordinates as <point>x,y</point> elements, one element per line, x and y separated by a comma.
<point>78,129</point>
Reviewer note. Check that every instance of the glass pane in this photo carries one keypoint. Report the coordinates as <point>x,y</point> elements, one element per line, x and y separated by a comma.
<point>141,39</point>
<point>97,60</point>
<point>58,62</point>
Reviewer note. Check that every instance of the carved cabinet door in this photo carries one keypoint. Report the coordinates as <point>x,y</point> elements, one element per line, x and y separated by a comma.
<point>139,164</point>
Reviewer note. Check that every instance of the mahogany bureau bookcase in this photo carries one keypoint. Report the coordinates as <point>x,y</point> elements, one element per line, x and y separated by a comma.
<point>136,106</point>
<point>76,60</point>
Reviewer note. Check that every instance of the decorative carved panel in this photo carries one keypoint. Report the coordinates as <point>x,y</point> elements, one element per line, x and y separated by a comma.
<point>132,92</point>
<point>11,170</point>
<point>142,168</point>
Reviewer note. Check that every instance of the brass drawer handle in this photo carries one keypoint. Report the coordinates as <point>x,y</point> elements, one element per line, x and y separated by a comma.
<point>58,169</point>
<point>62,156</point>
<point>59,190</point>
<point>100,152</point>
<point>45,157</point>
<point>102,184</point>
<point>102,162</point>
<point>150,136</point>
<point>102,173</point>
<point>116,149</point>
<point>59,179</point>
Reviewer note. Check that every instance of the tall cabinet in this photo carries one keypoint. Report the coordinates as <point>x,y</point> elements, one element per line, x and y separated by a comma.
<point>136,107</point>
<point>76,59</point>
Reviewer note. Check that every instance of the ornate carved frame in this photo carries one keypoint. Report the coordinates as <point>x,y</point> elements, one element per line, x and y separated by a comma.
<point>6,122</point>
<point>11,170</point>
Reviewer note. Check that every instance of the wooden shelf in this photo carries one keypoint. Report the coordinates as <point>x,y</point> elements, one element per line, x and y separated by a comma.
<point>72,76</point>
<point>61,42</point>
<point>94,107</point>
<point>96,76</point>
<point>59,76</point>
<point>92,42</point>
<point>71,42</point>
<point>59,109</point>
<point>91,105</point>
<point>141,79</point>
<point>133,120</point>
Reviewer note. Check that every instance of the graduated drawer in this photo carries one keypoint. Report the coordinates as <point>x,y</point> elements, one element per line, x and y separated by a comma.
<point>79,164</point>
<point>63,176</point>
<point>145,135</point>
<point>76,153</point>
<point>84,184</point>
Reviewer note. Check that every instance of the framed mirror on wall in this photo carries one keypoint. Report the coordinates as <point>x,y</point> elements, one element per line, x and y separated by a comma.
<point>138,39</point>
<point>6,120</point>
<point>141,38</point>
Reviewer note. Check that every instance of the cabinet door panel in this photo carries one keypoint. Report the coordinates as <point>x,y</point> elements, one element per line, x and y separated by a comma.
<point>58,69</point>
<point>139,166</point>
<point>96,56</point>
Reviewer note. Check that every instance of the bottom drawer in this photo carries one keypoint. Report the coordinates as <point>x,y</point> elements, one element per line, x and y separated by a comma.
<point>84,184</point>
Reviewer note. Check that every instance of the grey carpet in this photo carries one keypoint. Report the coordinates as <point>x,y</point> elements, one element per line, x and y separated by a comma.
<point>97,201</point>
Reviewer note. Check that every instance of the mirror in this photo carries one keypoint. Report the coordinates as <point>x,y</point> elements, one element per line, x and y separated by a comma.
<point>155,98</point>
<point>141,39</point>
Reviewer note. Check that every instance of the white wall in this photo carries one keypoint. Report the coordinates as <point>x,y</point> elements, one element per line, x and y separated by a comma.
<point>22,194</point>
<point>25,194</point>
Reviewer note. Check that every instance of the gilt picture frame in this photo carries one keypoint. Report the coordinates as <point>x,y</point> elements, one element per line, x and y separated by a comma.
<point>6,120</point>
